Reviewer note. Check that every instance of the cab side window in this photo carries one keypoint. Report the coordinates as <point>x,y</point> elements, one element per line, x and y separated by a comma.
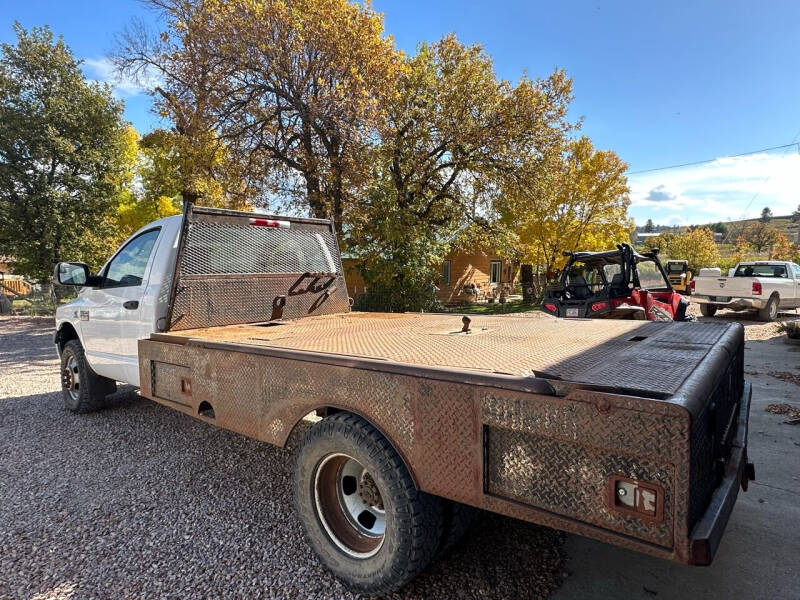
<point>128,266</point>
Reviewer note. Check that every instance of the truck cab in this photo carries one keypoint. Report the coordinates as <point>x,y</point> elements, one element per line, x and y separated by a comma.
<point>126,301</point>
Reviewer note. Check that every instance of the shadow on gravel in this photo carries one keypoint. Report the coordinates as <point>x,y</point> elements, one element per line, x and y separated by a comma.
<point>140,501</point>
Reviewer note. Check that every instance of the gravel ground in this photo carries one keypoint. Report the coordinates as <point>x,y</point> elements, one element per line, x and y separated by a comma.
<point>753,328</point>
<point>140,501</point>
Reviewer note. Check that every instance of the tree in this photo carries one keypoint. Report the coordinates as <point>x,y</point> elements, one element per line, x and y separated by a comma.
<point>697,247</point>
<point>648,227</point>
<point>573,199</point>
<point>760,235</point>
<point>783,249</point>
<point>157,194</point>
<point>766,215</point>
<point>61,154</point>
<point>293,90</point>
<point>796,215</point>
<point>452,132</point>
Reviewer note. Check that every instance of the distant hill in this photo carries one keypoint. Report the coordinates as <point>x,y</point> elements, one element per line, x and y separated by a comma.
<point>782,223</point>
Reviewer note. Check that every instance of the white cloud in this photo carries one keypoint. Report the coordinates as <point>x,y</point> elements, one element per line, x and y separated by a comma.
<point>725,189</point>
<point>103,70</point>
<point>661,193</point>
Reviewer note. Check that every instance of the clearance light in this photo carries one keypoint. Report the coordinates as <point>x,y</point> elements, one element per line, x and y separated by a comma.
<point>757,288</point>
<point>551,307</point>
<point>270,223</point>
<point>599,306</point>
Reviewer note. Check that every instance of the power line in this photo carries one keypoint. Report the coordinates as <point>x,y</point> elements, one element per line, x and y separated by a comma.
<point>702,162</point>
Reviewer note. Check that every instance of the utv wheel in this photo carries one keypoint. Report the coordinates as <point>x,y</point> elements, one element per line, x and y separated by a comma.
<point>770,311</point>
<point>359,508</point>
<point>708,310</point>
<point>83,389</point>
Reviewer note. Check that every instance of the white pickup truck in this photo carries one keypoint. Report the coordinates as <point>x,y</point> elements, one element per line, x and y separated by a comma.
<point>243,321</point>
<point>765,286</point>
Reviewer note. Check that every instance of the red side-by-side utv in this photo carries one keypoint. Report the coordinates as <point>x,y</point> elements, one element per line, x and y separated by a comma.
<point>615,284</point>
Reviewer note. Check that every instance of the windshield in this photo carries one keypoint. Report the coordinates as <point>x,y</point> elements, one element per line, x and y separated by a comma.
<point>650,276</point>
<point>760,271</point>
<point>675,267</point>
<point>582,275</point>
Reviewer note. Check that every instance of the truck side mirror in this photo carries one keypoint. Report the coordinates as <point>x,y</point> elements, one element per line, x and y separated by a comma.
<point>76,274</point>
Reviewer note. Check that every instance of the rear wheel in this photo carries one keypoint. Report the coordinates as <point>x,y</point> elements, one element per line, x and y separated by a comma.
<point>708,310</point>
<point>359,507</point>
<point>83,389</point>
<point>770,311</point>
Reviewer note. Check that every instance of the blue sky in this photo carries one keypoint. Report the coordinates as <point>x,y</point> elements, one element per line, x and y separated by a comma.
<point>659,83</point>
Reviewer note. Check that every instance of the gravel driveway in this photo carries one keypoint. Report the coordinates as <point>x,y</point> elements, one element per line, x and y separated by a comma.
<point>139,501</point>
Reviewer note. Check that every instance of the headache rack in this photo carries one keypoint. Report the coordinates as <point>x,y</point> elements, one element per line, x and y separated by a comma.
<point>237,267</point>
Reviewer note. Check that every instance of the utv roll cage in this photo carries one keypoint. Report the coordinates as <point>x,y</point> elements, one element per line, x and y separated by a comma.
<point>621,283</point>
<point>612,293</point>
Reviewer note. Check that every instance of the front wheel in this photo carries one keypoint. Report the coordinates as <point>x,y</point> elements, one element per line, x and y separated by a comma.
<point>83,389</point>
<point>359,507</point>
<point>708,310</point>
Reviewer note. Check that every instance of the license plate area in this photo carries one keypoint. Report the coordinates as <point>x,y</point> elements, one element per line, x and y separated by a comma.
<point>572,312</point>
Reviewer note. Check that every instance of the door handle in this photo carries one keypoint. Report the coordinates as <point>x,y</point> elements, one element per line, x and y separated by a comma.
<point>131,304</point>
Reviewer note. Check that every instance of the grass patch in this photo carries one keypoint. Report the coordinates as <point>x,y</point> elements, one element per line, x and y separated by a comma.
<point>492,309</point>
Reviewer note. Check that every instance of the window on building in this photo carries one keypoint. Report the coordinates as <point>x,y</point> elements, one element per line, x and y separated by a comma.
<point>446,272</point>
<point>495,271</point>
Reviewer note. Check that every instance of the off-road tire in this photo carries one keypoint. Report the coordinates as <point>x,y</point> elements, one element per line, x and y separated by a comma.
<point>93,389</point>
<point>414,519</point>
<point>770,311</point>
<point>708,310</point>
<point>458,519</point>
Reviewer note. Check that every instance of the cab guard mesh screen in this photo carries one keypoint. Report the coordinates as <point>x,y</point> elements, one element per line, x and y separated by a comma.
<point>238,267</point>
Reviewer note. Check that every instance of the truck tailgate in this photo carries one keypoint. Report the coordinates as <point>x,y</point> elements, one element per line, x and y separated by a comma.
<point>724,286</point>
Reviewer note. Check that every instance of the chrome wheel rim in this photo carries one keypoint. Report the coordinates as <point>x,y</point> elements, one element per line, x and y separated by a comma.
<point>349,505</point>
<point>71,378</point>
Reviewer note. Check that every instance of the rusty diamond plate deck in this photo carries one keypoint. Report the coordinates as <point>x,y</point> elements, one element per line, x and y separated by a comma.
<point>533,452</point>
<point>652,359</point>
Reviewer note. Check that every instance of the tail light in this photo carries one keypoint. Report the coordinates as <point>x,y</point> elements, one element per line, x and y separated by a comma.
<point>757,288</point>
<point>599,306</point>
<point>691,285</point>
<point>551,307</point>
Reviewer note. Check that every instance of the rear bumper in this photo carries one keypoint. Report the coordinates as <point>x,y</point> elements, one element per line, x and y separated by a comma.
<point>735,303</point>
<point>707,534</point>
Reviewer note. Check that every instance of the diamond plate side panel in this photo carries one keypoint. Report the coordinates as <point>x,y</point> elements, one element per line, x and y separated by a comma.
<point>572,480</point>
<point>437,427</point>
<point>166,381</point>
<point>593,419</point>
<point>449,441</point>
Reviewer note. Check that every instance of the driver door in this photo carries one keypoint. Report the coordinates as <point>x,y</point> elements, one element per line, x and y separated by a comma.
<point>108,337</point>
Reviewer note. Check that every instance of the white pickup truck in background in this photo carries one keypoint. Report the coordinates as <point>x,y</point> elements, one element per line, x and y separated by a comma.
<point>765,286</point>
